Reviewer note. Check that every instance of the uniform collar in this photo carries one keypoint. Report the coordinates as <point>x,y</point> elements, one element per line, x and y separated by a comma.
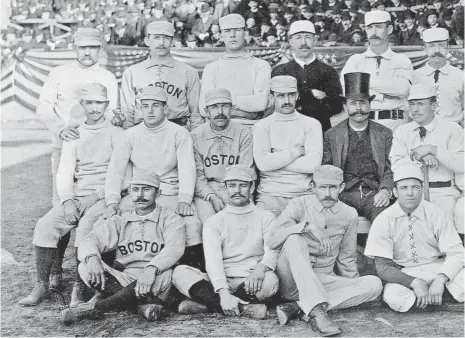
<point>320,208</point>
<point>386,55</point>
<point>154,216</point>
<point>429,127</point>
<point>430,70</point>
<point>240,210</point>
<point>166,62</point>
<point>222,133</point>
<point>303,64</point>
<point>419,212</point>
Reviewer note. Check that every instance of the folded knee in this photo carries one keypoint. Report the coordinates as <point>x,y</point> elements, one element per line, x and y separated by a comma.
<point>373,285</point>
<point>398,297</point>
<point>294,241</point>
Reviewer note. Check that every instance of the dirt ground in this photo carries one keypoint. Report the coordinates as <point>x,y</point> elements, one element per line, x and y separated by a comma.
<point>26,195</point>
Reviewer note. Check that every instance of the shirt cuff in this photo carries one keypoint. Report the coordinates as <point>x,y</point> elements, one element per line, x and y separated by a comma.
<point>184,198</point>
<point>66,198</point>
<point>113,199</point>
<point>220,284</point>
<point>449,270</point>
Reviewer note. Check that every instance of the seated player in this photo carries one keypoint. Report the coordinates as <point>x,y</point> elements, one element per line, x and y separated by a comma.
<point>315,232</point>
<point>417,250</point>
<point>218,144</point>
<point>80,185</point>
<point>434,142</point>
<point>166,148</point>
<point>149,239</point>
<point>239,264</point>
<point>287,148</point>
<point>360,147</point>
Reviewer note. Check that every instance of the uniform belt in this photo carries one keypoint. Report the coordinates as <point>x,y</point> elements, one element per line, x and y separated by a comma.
<point>440,184</point>
<point>182,121</point>
<point>395,114</point>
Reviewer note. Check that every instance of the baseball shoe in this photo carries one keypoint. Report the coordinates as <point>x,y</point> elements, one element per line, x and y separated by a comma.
<point>79,294</point>
<point>286,312</point>
<point>189,307</point>
<point>55,281</point>
<point>37,295</point>
<point>320,322</point>
<point>151,312</point>
<point>254,311</point>
<point>82,311</point>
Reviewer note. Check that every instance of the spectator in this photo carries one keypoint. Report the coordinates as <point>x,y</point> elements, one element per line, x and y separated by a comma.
<point>202,25</point>
<point>408,35</point>
<point>433,19</point>
<point>224,7</point>
<point>357,38</point>
<point>249,40</point>
<point>255,12</point>
<point>344,33</point>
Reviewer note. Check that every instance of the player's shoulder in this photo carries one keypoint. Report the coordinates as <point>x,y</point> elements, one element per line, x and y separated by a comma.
<point>402,57</point>
<point>448,127</point>
<point>239,129</point>
<point>200,130</point>
<point>215,221</point>
<point>309,121</point>
<point>178,130</point>
<point>260,63</point>
<point>264,123</point>
<point>167,216</point>
<point>346,209</point>
<point>182,65</point>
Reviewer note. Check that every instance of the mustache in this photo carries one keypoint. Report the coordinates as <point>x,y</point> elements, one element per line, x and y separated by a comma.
<point>327,198</point>
<point>375,37</point>
<point>359,112</point>
<point>287,105</point>
<point>304,47</point>
<point>221,117</point>
<point>141,199</point>
<point>238,195</point>
<point>438,54</point>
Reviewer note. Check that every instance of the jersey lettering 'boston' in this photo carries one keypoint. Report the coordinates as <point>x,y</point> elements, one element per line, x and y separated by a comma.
<point>138,245</point>
<point>221,160</point>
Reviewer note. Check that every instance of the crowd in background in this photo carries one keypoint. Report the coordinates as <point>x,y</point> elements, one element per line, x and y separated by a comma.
<point>123,22</point>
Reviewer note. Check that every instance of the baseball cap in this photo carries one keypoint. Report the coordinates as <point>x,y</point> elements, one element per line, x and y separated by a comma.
<point>217,95</point>
<point>408,169</point>
<point>377,17</point>
<point>94,92</point>
<point>160,27</point>
<point>435,34</point>
<point>301,26</point>
<point>146,177</point>
<point>240,172</point>
<point>283,84</point>
<point>152,93</point>
<point>231,21</point>
<point>328,174</point>
<point>87,37</point>
<point>419,91</point>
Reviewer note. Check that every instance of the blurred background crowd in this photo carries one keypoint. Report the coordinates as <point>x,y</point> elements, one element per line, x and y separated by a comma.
<point>50,24</point>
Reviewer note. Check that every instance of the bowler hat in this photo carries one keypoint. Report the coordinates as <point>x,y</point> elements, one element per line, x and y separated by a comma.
<point>357,86</point>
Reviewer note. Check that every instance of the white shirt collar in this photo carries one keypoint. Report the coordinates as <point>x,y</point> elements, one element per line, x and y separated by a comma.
<point>303,64</point>
<point>386,55</point>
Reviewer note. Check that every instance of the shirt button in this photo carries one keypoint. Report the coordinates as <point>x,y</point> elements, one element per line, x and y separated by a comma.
<point>326,227</point>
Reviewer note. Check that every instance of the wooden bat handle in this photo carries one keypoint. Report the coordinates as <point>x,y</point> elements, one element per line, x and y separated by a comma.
<point>425,170</point>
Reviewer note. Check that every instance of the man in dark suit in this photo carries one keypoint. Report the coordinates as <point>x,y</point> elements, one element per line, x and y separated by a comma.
<point>408,36</point>
<point>202,25</point>
<point>361,147</point>
<point>318,84</point>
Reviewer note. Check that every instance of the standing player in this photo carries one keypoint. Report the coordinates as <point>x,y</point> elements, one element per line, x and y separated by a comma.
<point>245,76</point>
<point>59,107</point>
<point>318,84</point>
<point>287,147</point>
<point>218,144</point>
<point>179,81</point>
<point>391,73</point>
<point>80,182</point>
<point>446,79</point>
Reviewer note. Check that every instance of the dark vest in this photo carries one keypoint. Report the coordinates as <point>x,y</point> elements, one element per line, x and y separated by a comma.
<point>360,166</point>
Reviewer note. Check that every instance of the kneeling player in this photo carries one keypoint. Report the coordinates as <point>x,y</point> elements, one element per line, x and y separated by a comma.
<point>239,264</point>
<point>148,241</point>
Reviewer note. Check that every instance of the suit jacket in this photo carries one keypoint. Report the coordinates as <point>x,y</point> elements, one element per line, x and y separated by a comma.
<point>336,146</point>
<point>200,27</point>
<point>409,37</point>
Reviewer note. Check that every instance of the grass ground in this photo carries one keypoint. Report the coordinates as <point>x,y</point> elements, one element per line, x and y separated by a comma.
<point>26,196</point>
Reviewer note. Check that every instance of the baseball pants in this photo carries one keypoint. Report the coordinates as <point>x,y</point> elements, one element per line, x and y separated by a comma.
<point>205,208</point>
<point>458,215</point>
<point>161,287</point>
<point>185,276</point>
<point>53,226</point>
<point>365,205</point>
<point>193,225</point>
<point>56,155</point>
<point>401,299</point>
<point>446,198</point>
<point>275,204</point>
<point>299,282</point>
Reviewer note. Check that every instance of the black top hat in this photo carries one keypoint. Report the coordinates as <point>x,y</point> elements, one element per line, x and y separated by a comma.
<point>357,86</point>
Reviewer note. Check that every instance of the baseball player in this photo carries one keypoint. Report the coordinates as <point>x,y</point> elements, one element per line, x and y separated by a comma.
<point>315,232</point>
<point>245,76</point>
<point>218,144</point>
<point>417,251</point>
<point>162,146</point>
<point>179,81</point>
<point>149,239</point>
<point>80,184</point>
<point>287,148</point>
<point>239,264</point>
<point>446,79</point>
<point>60,110</point>
<point>433,141</point>
<point>391,73</point>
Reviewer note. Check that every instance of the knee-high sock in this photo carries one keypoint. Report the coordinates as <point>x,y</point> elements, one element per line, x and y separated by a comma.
<point>242,294</point>
<point>203,292</point>
<point>44,261</point>
<point>124,299</point>
<point>194,256</point>
<point>60,253</point>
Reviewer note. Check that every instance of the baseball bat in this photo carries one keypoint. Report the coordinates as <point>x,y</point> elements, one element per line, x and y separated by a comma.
<point>425,170</point>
